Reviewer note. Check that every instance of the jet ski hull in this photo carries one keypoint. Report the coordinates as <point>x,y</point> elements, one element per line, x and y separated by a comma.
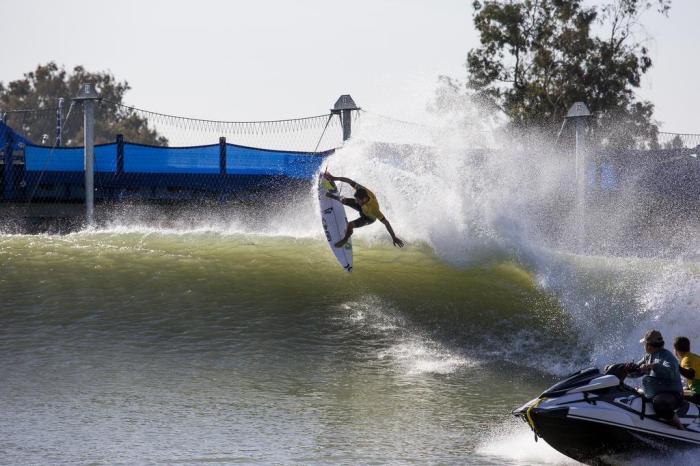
<point>594,418</point>
<point>590,441</point>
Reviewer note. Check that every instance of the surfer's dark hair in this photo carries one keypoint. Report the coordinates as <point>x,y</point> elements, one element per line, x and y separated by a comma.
<point>362,193</point>
<point>682,344</point>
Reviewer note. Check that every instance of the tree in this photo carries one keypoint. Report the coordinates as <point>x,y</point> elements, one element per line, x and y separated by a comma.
<point>37,95</point>
<point>538,57</point>
<point>675,143</point>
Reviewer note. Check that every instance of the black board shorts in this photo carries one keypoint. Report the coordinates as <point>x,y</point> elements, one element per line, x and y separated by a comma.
<point>362,220</point>
<point>666,404</point>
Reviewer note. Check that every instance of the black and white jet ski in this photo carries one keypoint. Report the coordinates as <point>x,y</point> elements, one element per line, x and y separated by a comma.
<point>591,415</point>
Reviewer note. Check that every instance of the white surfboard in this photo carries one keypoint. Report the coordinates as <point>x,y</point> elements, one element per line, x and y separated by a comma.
<point>334,222</point>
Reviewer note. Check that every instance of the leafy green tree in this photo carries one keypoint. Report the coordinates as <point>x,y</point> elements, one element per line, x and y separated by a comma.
<point>538,57</point>
<point>37,95</point>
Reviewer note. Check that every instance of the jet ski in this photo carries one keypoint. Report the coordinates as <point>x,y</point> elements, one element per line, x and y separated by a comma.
<point>592,415</point>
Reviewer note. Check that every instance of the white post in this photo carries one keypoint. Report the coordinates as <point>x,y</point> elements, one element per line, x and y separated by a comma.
<point>59,123</point>
<point>579,112</point>
<point>88,95</point>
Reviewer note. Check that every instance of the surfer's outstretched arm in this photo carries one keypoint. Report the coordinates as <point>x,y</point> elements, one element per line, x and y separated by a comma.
<point>394,238</point>
<point>341,178</point>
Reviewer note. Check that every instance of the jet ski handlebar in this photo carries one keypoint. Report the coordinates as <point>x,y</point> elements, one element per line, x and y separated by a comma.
<point>622,370</point>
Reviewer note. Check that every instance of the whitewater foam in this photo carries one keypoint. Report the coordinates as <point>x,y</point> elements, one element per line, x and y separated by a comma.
<point>407,348</point>
<point>440,185</point>
<point>512,441</point>
<point>417,356</point>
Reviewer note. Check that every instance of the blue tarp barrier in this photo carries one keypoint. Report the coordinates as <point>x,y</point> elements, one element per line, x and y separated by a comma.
<point>7,134</point>
<point>250,161</point>
<point>65,159</point>
<point>150,159</point>
<point>129,170</point>
<point>186,160</point>
<point>608,177</point>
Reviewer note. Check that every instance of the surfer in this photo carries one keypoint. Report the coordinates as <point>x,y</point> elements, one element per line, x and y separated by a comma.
<point>365,202</point>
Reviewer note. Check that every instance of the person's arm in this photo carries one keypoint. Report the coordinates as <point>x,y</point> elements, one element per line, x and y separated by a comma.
<point>394,238</point>
<point>341,178</point>
<point>631,370</point>
<point>646,368</point>
<point>687,372</point>
<point>635,368</point>
<point>661,366</point>
<point>342,200</point>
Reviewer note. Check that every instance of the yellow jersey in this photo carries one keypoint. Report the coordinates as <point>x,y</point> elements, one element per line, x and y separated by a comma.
<point>371,207</point>
<point>692,361</point>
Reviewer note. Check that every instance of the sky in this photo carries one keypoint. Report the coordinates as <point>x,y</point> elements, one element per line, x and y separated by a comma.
<point>274,59</point>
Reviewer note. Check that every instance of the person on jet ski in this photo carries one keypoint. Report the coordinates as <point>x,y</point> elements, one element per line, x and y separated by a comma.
<point>690,368</point>
<point>662,382</point>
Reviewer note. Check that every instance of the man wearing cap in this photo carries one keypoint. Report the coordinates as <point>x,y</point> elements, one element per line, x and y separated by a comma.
<point>662,382</point>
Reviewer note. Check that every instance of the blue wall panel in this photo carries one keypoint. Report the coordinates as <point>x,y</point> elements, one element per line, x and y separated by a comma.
<point>39,158</point>
<point>251,161</point>
<point>147,159</point>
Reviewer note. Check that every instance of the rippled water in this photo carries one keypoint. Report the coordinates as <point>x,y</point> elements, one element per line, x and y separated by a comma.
<point>202,347</point>
<point>152,348</point>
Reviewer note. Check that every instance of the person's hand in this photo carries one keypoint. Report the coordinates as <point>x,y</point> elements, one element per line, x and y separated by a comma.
<point>397,242</point>
<point>646,368</point>
<point>631,368</point>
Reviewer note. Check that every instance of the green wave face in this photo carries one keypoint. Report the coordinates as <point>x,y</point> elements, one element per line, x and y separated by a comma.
<point>204,338</point>
<point>156,279</point>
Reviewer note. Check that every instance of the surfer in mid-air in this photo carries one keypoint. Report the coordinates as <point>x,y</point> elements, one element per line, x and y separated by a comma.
<point>366,204</point>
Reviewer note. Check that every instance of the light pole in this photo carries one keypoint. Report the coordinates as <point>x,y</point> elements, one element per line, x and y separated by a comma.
<point>344,107</point>
<point>579,113</point>
<point>88,95</point>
